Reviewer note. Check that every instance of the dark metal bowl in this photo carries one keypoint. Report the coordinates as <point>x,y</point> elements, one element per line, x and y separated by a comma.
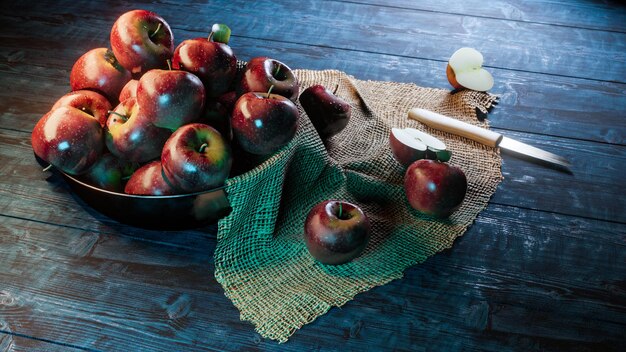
<point>174,212</point>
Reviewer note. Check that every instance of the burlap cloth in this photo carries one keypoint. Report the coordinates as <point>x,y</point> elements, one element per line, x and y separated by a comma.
<point>261,259</point>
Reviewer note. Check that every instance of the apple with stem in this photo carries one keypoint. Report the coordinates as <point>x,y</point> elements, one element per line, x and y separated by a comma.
<point>196,158</point>
<point>148,181</point>
<point>129,134</point>
<point>409,145</point>
<point>212,61</point>
<point>261,73</point>
<point>464,70</point>
<point>336,232</point>
<point>92,103</point>
<point>263,123</point>
<point>141,40</point>
<point>171,98</point>
<point>69,139</point>
<point>328,112</point>
<point>99,70</point>
<point>434,188</point>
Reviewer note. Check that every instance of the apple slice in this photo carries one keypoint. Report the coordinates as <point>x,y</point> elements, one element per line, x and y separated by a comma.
<point>409,145</point>
<point>465,70</point>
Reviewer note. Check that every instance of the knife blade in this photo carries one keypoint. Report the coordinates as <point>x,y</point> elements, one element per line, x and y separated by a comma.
<point>485,136</point>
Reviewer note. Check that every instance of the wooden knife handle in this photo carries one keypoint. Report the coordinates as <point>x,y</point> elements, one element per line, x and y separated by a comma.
<point>454,126</point>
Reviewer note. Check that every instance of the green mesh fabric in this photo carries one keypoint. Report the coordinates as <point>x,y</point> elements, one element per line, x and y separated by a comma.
<point>261,259</point>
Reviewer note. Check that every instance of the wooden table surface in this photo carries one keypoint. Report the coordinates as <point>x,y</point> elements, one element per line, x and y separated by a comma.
<point>542,268</point>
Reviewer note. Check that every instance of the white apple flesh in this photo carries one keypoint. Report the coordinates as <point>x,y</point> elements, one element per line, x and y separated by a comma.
<point>465,70</point>
<point>409,145</point>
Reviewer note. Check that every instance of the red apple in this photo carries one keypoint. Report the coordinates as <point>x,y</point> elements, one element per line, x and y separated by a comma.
<point>92,103</point>
<point>171,98</point>
<point>328,113</point>
<point>148,181</point>
<point>336,232</point>
<point>435,188</point>
<point>214,63</point>
<point>130,135</point>
<point>69,139</point>
<point>99,70</point>
<point>109,173</point>
<point>262,72</point>
<point>142,40</point>
<point>129,90</point>
<point>196,158</point>
<point>263,123</point>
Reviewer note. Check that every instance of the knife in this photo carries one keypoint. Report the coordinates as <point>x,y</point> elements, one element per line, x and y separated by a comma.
<point>485,136</point>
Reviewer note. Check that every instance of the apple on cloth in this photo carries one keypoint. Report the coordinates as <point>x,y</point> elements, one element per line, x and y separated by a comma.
<point>277,282</point>
<point>328,112</point>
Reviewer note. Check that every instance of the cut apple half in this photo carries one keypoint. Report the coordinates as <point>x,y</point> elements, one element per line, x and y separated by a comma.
<point>465,71</point>
<point>409,145</point>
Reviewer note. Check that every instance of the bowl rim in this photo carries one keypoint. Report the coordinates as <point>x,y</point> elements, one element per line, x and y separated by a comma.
<point>136,196</point>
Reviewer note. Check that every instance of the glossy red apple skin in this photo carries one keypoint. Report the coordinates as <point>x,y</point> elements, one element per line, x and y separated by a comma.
<point>170,98</point>
<point>69,139</point>
<point>109,173</point>
<point>260,74</point>
<point>435,188</point>
<point>133,138</point>
<point>329,113</point>
<point>214,63</point>
<point>148,181</point>
<point>191,167</point>
<point>262,123</point>
<point>92,103</point>
<point>138,45</point>
<point>333,238</point>
<point>99,70</point>
<point>129,90</point>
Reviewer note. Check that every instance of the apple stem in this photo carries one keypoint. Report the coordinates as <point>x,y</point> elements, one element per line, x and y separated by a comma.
<point>118,114</point>
<point>210,36</point>
<point>336,88</point>
<point>277,70</point>
<point>169,64</point>
<point>270,90</point>
<point>47,168</point>
<point>156,30</point>
<point>203,147</point>
<point>340,211</point>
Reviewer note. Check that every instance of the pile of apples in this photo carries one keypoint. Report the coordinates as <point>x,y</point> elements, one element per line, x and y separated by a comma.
<point>148,118</point>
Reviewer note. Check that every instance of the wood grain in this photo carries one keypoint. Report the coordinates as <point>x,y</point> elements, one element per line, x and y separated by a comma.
<point>160,295</point>
<point>542,268</point>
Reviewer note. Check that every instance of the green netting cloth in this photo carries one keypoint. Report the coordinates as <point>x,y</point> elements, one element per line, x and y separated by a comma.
<point>261,259</point>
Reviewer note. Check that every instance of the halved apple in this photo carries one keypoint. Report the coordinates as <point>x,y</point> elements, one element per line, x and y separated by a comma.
<point>465,70</point>
<point>409,145</point>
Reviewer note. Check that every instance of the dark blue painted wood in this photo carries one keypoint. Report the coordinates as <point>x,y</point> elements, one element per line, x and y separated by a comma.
<point>543,267</point>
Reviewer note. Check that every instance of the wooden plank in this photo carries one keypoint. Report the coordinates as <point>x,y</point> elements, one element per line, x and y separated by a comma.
<point>18,343</point>
<point>108,292</point>
<point>581,14</point>
<point>511,45</point>
<point>529,102</point>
